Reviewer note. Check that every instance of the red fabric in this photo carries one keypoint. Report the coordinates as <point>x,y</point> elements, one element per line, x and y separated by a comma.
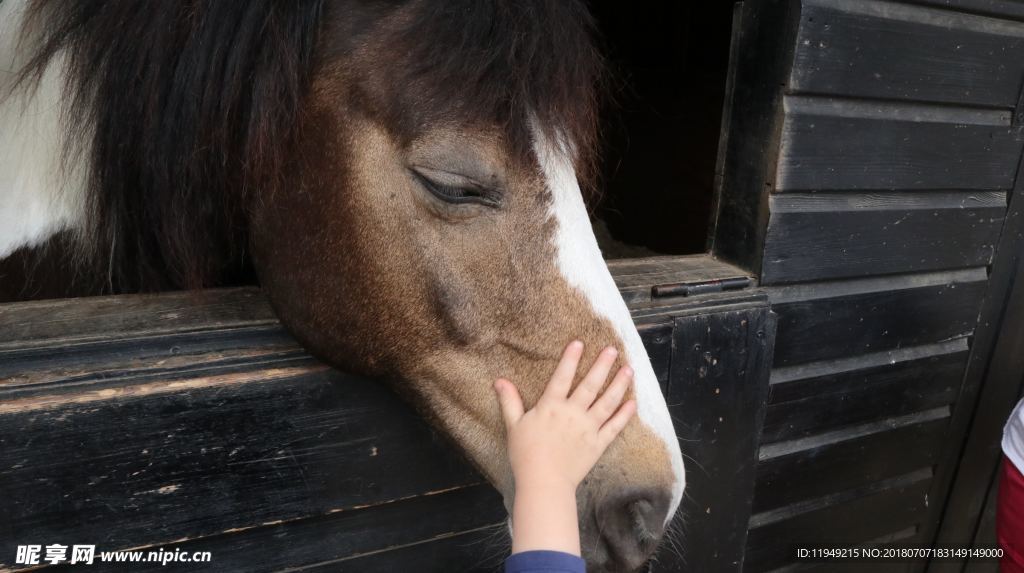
<point>1010,519</point>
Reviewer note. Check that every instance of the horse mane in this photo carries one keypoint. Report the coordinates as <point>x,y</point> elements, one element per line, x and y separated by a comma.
<point>189,108</point>
<point>186,105</point>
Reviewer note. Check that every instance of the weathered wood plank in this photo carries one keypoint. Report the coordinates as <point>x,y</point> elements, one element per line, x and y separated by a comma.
<point>833,321</point>
<point>82,320</point>
<point>194,457</point>
<point>846,47</point>
<point>862,396</point>
<point>458,530</point>
<point>894,507</point>
<point>903,536</point>
<point>468,552</point>
<point>1006,9</point>
<point>763,58</point>
<point>112,362</point>
<point>860,371</point>
<point>76,320</point>
<point>819,236</point>
<point>993,383</point>
<point>717,392</point>
<point>849,458</point>
<point>165,356</point>
<point>636,277</point>
<point>842,144</point>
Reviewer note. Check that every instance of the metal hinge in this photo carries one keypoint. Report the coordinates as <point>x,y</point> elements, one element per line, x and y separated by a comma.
<point>700,287</point>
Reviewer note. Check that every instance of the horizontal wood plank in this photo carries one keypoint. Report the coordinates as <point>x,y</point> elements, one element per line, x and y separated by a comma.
<point>163,356</point>
<point>907,535</point>
<point>466,552</point>
<point>846,47</point>
<point>835,377</point>
<point>840,324</point>
<point>817,236</point>
<point>849,459</point>
<point>894,508</point>
<point>76,320</point>
<point>637,277</point>
<point>66,322</point>
<point>1003,9</point>
<point>859,397</point>
<point>194,457</point>
<point>460,530</point>
<point>842,144</point>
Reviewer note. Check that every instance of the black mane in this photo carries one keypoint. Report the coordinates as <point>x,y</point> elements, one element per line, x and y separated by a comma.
<point>190,106</point>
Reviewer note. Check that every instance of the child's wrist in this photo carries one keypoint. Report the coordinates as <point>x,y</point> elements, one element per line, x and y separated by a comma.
<point>547,483</point>
<point>544,517</point>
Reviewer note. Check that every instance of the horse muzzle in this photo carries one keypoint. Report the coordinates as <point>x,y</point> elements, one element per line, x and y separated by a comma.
<point>626,529</point>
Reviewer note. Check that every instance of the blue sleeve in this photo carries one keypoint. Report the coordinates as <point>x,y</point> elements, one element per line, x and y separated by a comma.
<point>544,562</point>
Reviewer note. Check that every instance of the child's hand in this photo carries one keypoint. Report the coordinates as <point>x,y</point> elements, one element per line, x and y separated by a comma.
<point>560,439</point>
<point>553,446</point>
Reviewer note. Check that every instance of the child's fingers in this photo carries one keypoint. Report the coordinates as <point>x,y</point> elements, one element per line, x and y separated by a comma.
<point>592,383</point>
<point>606,405</point>
<point>616,423</point>
<point>510,401</point>
<point>565,372</point>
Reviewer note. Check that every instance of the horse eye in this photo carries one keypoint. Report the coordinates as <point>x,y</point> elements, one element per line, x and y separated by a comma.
<point>456,194</point>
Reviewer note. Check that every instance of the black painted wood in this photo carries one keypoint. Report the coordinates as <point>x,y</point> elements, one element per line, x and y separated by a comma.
<point>993,383</point>
<point>851,206</point>
<point>985,535</point>
<point>1002,9</point>
<point>458,530</point>
<point>849,47</point>
<point>47,323</point>
<point>861,322</point>
<point>848,144</point>
<point>459,553</point>
<point>943,362</point>
<point>207,454</point>
<point>857,397</point>
<point>853,517</point>
<point>766,35</point>
<point>636,278</point>
<point>798,470</point>
<point>162,356</point>
<point>717,393</point>
<point>819,236</point>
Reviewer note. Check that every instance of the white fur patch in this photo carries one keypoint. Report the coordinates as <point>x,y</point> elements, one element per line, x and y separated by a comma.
<point>582,265</point>
<point>40,194</point>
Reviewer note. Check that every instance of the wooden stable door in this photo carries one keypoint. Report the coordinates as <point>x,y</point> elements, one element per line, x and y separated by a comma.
<point>192,421</point>
<point>871,182</point>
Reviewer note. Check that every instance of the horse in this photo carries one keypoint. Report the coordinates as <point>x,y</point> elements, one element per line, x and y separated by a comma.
<point>404,178</point>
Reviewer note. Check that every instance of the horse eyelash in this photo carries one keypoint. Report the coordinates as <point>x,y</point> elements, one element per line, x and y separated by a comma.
<point>454,194</point>
<point>450,190</point>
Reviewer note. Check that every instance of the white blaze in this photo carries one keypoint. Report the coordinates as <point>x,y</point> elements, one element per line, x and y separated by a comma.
<point>39,194</point>
<point>582,265</point>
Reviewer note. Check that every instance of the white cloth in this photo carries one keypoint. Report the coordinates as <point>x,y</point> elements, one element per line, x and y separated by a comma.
<point>1013,437</point>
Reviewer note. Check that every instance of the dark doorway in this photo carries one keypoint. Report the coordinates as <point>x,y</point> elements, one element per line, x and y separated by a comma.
<point>661,131</point>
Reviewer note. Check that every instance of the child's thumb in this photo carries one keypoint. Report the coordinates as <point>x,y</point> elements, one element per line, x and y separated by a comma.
<point>510,401</point>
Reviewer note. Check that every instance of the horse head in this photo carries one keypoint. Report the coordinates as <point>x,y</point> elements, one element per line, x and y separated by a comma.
<point>407,178</point>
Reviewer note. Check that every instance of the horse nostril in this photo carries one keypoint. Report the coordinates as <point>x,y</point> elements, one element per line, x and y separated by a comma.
<point>632,524</point>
